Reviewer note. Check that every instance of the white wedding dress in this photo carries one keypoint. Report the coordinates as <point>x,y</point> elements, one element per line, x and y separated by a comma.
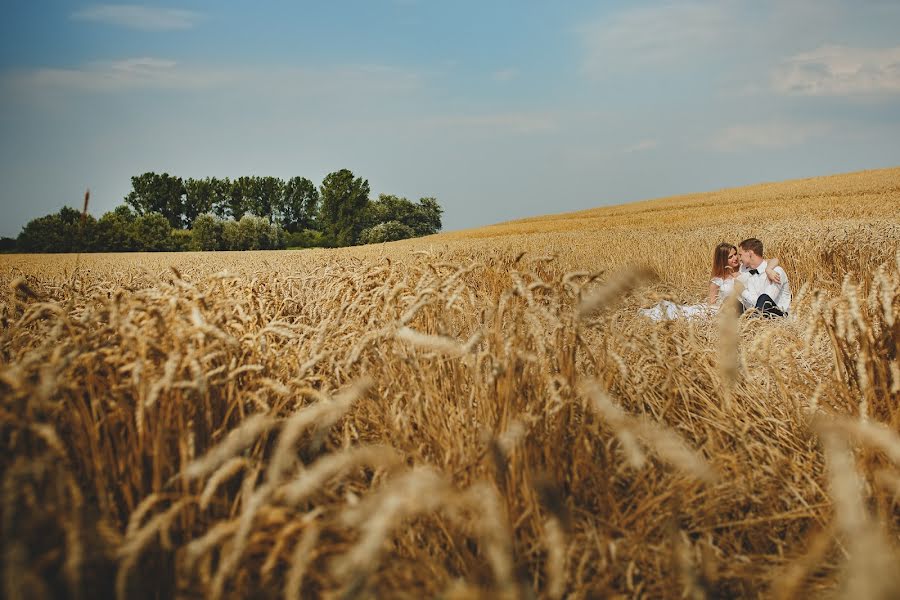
<point>669,311</point>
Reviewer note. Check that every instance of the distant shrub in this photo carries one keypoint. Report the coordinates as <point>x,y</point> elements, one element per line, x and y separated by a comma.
<point>153,233</point>
<point>115,231</point>
<point>390,231</point>
<point>65,231</point>
<point>306,238</point>
<point>424,217</point>
<point>207,230</point>
<point>231,236</point>
<point>182,240</point>
<point>252,233</point>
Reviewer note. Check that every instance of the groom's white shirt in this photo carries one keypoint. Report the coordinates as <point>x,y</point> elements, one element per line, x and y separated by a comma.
<point>757,285</point>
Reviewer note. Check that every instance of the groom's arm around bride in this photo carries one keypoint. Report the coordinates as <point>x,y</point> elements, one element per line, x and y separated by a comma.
<point>771,299</point>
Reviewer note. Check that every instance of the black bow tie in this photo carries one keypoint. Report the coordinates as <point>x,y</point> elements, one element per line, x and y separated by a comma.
<point>754,272</point>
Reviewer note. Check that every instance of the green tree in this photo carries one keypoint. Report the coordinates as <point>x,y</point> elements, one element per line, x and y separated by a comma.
<point>239,191</point>
<point>424,218</point>
<point>124,211</point>
<point>306,238</point>
<point>115,231</point>
<point>45,234</point>
<point>163,194</point>
<point>221,197</point>
<point>231,236</point>
<point>389,231</point>
<point>389,208</point>
<point>263,195</point>
<point>252,233</point>
<point>153,232</point>
<point>181,240</point>
<point>344,200</point>
<point>299,205</point>
<point>81,228</point>
<point>427,217</point>
<point>65,231</point>
<point>200,195</point>
<point>256,233</point>
<point>207,233</point>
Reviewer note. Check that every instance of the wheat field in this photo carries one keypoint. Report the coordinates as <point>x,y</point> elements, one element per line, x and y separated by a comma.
<point>477,414</point>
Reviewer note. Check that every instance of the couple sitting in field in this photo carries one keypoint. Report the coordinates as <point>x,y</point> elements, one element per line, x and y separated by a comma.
<point>765,285</point>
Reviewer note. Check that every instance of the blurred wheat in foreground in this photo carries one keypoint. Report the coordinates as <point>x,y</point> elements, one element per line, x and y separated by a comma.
<point>478,414</point>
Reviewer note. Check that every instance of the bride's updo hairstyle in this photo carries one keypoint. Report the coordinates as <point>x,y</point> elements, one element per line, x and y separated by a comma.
<point>720,259</point>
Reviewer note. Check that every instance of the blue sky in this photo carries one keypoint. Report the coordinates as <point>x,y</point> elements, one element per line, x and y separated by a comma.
<point>501,109</point>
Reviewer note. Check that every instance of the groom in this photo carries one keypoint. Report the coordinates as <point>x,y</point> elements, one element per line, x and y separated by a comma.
<point>769,298</point>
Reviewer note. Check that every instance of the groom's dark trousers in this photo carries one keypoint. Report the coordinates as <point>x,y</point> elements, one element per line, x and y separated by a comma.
<point>767,307</point>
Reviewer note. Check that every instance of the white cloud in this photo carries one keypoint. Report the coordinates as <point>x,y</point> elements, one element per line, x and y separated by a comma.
<point>659,35</point>
<point>840,71</point>
<point>642,146</point>
<point>136,16</point>
<point>770,135</point>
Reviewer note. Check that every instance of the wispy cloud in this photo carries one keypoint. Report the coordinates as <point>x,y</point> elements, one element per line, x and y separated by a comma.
<point>642,146</point>
<point>657,35</point>
<point>151,73</point>
<point>505,74</point>
<point>135,16</point>
<point>771,135</point>
<point>123,75</point>
<point>840,71</point>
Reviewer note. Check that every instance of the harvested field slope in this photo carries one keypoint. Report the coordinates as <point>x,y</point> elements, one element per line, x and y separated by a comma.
<point>474,414</point>
<point>850,196</point>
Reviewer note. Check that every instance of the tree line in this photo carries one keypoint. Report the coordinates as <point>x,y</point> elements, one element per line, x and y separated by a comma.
<point>164,212</point>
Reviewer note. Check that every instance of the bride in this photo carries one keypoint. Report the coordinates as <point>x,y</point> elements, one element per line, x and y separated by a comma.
<point>725,271</point>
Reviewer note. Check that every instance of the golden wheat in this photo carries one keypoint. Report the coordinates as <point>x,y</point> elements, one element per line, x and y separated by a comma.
<point>473,414</point>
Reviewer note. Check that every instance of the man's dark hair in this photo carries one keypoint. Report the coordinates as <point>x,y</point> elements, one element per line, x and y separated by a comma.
<point>752,244</point>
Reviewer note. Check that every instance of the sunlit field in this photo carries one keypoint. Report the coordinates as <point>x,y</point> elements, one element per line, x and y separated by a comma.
<point>477,414</point>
